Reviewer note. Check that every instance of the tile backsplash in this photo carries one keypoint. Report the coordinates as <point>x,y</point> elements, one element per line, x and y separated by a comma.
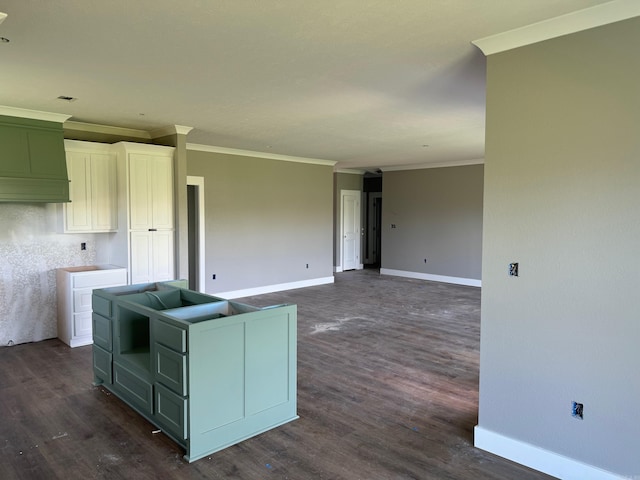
<point>30,252</point>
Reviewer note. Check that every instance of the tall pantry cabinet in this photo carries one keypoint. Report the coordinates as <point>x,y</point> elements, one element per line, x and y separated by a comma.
<point>145,244</point>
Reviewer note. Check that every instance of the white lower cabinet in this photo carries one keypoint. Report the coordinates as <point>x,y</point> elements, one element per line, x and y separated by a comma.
<point>81,325</point>
<point>75,287</point>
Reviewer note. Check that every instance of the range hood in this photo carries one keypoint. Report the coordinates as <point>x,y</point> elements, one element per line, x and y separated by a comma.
<point>33,167</point>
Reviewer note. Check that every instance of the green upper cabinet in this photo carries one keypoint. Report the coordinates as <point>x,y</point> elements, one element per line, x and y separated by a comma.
<point>32,161</point>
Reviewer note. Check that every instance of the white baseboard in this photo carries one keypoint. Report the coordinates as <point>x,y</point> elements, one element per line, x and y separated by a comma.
<point>470,282</point>
<point>338,268</point>
<point>544,461</point>
<point>249,292</point>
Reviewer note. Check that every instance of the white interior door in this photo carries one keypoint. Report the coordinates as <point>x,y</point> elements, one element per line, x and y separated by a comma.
<point>350,245</point>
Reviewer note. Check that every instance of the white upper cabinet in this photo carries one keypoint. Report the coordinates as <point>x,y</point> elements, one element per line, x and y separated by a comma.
<point>92,188</point>
<point>150,191</point>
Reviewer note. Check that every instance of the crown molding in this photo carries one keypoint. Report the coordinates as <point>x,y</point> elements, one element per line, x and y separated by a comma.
<point>351,171</point>
<point>421,166</point>
<point>170,130</point>
<point>81,145</point>
<point>250,153</point>
<point>106,130</point>
<point>573,22</point>
<point>33,114</point>
<point>144,147</point>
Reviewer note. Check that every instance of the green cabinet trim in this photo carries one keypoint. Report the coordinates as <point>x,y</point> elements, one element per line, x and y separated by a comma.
<point>171,411</point>
<point>102,306</point>
<point>102,365</point>
<point>102,333</point>
<point>208,371</point>
<point>171,369</point>
<point>133,388</point>
<point>171,336</point>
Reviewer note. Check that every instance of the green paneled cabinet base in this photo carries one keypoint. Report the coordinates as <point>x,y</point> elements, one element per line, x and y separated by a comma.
<point>207,371</point>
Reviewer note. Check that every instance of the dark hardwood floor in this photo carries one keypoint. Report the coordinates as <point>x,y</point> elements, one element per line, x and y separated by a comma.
<point>387,389</point>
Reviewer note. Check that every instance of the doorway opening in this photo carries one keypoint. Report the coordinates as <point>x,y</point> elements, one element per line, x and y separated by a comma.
<point>195,241</point>
<point>372,203</point>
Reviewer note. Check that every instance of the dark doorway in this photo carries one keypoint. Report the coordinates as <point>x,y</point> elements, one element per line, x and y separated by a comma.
<point>192,216</point>
<point>372,190</point>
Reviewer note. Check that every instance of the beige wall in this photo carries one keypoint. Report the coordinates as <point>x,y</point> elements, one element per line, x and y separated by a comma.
<point>265,220</point>
<point>562,186</point>
<point>438,217</point>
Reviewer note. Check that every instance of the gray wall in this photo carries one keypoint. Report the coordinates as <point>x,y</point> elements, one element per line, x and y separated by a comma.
<point>438,216</point>
<point>265,220</point>
<point>342,181</point>
<point>562,187</point>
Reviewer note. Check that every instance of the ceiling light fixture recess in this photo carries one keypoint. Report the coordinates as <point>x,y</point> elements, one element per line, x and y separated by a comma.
<point>2,17</point>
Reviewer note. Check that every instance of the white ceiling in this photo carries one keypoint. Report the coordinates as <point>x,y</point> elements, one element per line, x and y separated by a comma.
<point>366,83</point>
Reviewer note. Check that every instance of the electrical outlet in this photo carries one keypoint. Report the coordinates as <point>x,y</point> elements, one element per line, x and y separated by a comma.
<point>577,410</point>
<point>213,277</point>
<point>307,265</point>
<point>513,269</point>
<point>393,225</point>
<point>425,260</point>
<point>83,246</point>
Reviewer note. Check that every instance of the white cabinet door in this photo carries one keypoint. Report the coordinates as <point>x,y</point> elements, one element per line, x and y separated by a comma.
<point>152,256</point>
<point>162,192</point>
<point>140,201</point>
<point>141,257</point>
<point>82,325</point>
<point>78,212</point>
<point>150,191</point>
<point>162,242</point>
<point>92,190</point>
<point>104,208</point>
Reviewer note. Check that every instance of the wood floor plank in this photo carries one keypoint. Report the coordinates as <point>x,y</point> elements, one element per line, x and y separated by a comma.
<point>387,389</point>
